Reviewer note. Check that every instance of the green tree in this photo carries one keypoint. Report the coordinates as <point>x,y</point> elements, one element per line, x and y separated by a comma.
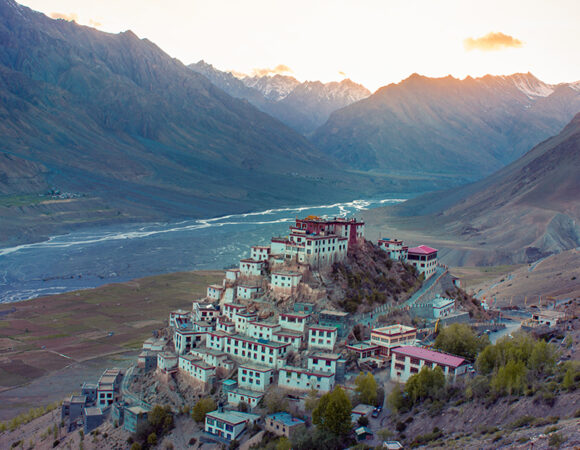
<point>283,444</point>
<point>276,401</point>
<point>333,412</point>
<point>460,339</point>
<point>428,383</point>
<point>510,379</point>
<point>152,439</point>
<point>542,358</point>
<point>366,387</point>
<point>201,408</point>
<point>136,446</point>
<point>311,401</point>
<point>395,400</point>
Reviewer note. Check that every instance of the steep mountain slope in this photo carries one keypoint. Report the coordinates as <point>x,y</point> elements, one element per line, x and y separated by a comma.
<point>467,127</point>
<point>302,106</point>
<point>114,118</point>
<point>527,210</point>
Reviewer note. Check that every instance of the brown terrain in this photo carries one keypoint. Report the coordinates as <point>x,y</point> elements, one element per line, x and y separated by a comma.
<point>48,346</point>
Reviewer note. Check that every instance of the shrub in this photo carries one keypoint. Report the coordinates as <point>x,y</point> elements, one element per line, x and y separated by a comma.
<point>556,440</point>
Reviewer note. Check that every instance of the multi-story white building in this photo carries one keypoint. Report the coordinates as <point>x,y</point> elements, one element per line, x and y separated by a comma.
<point>442,307</point>
<point>285,282</point>
<point>322,337</point>
<point>365,351</point>
<point>232,275</point>
<point>107,386</point>
<point>179,318</point>
<point>248,292</point>
<point>218,359</point>
<point>260,351</point>
<point>294,338</point>
<point>323,362</point>
<point>224,324</point>
<point>197,369</point>
<point>167,362</point>
<point>251,267</point>
<point>216,340</point>
<point>204,312</point>
<point>230,309</point>
<point>202,326</point>
<point>228,424</point>
<point>239,395</point>
<point>294,321</point>
<point>262,330</point>
<point>298,378</point>
<point>260,252</point>
<point>186,339</point>
<point>395,249</point>
<point>424,259</point>
<point>392,336</point>
<point>408,360</point>
<point>243,319</point>
<point>255,377</point>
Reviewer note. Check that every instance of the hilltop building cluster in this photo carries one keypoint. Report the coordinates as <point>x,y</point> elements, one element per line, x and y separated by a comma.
<point>422,257</point>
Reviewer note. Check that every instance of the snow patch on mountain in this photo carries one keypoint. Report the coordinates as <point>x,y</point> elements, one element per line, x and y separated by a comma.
<point>531,86</point>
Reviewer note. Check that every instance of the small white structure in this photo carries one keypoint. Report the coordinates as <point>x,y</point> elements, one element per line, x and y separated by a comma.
<point>203,327</point>
<point>262,330</point>
<point>322,337</point>
<point>323,362</point>
<point>251,267</point>
<point>107,386</point>
<point>285,282</point>
<point>546,317</point>
<point>167,362</point>
<point>214,291</point>
<point>408,360</point>
<point>248,292</point>
<point>239,395</point>
<point>298,378</point>
<point>442,307</point>
<point>394,248</point>
<point>232,275</point>
<point>154,344</point>
<point>260,252</point>
<point>424,259</point>
<point>228,424</point>
<point>218,359</point>
<point>179,318</point>
<point>365,351</point>
<point>255,377</point>
<point>294,321</point>
<point>197,369</point>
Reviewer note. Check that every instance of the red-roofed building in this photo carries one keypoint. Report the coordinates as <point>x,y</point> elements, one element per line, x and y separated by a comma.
<point>409,360</point>
<point>424,259</point>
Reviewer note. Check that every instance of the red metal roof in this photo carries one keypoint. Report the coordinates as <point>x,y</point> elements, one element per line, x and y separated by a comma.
<point>429,355</point>
<point>422,250</point>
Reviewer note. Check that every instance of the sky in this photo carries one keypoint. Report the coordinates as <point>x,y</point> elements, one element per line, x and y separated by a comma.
<point>372,42</point>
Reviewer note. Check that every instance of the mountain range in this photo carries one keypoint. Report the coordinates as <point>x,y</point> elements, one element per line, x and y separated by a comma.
<point>527,210</point>
<point>468,128</point>
<point>302,106</point>
<point>134,133</point>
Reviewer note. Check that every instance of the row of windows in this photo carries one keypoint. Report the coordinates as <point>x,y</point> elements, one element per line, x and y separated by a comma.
<point>321,333</point>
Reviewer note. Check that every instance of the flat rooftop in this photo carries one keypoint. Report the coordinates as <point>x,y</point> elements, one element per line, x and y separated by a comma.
<point>285,418</point>
<point>393,329</point>
<point>338,314</point>
<point>429,355</point>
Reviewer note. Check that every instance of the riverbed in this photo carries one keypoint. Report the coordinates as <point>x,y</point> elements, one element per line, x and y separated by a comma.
<point>90,258</point>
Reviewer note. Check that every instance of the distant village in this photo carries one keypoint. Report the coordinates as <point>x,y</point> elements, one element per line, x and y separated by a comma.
<point>256,331</point>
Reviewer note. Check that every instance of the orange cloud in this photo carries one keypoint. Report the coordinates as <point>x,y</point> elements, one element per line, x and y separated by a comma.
<point>72,17</point>
<point>278,70</point>
<point>95,24</point>
<point>341,73</point>
<point>492,42</point>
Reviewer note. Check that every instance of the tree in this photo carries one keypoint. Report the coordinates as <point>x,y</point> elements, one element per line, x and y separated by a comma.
<point>333,412</point>
<point>275,401</point>
<point>428,383</point>
<point>311,401</point>
<point>395,399</point>
<point>201,408</point>
<point>152,439</point>
<point>283,444</point>
<point>510,379</point>
<point>460,339</point>
<point>366,386</point>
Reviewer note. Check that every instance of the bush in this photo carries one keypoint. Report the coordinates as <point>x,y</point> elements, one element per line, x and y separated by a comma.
<point>363,421</point>
<point>201,408</point>
<point>556,440</point>
<point>522,422</point>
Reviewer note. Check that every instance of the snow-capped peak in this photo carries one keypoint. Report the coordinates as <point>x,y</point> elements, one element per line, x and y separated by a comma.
<point>531,86</point>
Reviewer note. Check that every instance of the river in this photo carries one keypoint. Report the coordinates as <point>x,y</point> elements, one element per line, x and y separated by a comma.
<point>90,258</point>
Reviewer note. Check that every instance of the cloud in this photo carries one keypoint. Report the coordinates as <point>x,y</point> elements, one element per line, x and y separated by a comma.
<point>492,42</point>
<point>278,70</point>
<point>72,17</point>
<point>95,24</point>
<point>237,74</point>
<point>341,73</point>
